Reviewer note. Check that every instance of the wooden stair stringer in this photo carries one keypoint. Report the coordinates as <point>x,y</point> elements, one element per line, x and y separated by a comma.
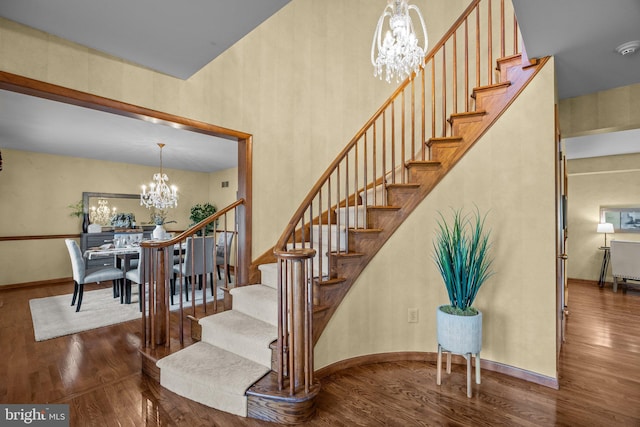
<point>350,270</point>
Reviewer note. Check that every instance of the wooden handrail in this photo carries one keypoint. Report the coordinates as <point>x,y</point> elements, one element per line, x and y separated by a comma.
<point>194,229</point>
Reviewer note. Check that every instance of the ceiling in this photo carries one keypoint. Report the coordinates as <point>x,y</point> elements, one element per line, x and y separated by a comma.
<point>582,34</point>
<point>28,123</point>
<point>173,37</point>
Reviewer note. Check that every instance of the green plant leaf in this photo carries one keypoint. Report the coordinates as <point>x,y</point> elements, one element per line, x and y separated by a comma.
<point>461,253</point>
<point>200,212</point>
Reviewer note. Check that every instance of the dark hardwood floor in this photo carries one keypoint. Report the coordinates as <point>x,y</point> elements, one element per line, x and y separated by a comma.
<point>98,374</point>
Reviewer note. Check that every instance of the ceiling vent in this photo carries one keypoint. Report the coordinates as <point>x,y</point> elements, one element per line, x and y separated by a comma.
<point>628,47</point>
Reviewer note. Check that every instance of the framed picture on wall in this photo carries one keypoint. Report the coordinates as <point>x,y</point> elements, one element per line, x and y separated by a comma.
<point>625,218</point>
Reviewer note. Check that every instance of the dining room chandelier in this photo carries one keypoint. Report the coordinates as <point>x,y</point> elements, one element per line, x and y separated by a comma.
<point>398,54</point>
<point>160,195</point>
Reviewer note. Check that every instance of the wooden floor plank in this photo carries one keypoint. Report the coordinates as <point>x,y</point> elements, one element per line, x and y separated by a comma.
<point>98,374</point>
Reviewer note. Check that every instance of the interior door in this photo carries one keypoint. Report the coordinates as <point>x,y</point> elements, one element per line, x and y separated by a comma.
<point>561,241</point>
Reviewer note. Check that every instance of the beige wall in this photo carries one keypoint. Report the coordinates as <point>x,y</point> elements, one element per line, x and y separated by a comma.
<point>36,190</point>
<point>302,85</point>
<point>518,303</point>
<point>595,182</point>
<point>605,111</point>
<point>218,195</point>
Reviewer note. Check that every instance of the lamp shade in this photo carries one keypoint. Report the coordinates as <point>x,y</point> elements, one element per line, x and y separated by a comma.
<point>605,227</point>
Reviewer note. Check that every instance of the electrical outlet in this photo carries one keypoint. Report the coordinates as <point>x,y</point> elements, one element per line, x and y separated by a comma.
<point>412,315</point>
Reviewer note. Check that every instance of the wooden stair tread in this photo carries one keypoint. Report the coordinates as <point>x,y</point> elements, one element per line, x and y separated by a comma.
<point>490,87</point>
<point>347,254</point>
<point>330,282</point>
<point>365,230</point>
<point>384,208</point>
<point>437,139</point>
<point>431,164</point>
<point>507,59</point>
<point>467,114</point>
<point>403,185</point>
<point>320,308</point>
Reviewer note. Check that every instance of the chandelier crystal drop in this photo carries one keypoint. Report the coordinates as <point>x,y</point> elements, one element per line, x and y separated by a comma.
<point>398,53</point>
<point>160,195</point>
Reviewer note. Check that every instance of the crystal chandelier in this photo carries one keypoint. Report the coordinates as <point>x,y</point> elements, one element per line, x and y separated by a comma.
<point>102,214</point>
<point>398,54</point>
<point>160,195</point>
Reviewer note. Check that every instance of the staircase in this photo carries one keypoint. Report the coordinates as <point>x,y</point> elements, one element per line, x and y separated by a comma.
<point>256,359</point>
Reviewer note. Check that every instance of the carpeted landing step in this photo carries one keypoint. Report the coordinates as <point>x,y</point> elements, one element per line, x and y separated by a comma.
<point>211,376</point>
<point>233,355</point>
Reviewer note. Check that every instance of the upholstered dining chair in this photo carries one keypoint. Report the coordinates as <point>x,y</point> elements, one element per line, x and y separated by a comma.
<point>223,252</point>
<point>141,275</point>
<point>134,275</point>
<point>198,261</point>
<point>81,275</point>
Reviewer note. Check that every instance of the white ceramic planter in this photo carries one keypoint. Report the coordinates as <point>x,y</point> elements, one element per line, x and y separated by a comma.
<point>459,334</point>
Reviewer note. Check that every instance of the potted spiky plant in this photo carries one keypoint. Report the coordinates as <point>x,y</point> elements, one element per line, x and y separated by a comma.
<point>461,252</point>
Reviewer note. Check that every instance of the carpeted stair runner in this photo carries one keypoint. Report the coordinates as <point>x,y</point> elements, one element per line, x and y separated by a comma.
<point>234,352</point>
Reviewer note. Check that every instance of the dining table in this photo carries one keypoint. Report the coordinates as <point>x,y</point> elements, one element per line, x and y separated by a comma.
<point>123,257</point>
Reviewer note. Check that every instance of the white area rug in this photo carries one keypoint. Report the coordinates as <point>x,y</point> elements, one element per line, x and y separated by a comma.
<point>55,316</point>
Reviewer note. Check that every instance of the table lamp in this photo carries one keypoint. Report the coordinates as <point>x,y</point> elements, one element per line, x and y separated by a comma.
<point>606,228</point>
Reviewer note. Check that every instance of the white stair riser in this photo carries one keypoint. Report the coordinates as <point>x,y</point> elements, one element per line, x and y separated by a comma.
<point>320,253</point>
<point>269,272</point>
<point>269,275</point>
<point>257,301</point>
<point>377,192</point>
<point>325,233</point>
<point>240,334</point>
<point>351,213</point>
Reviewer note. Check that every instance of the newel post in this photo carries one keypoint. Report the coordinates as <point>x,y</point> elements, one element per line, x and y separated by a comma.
<point>154,262</point>
<point>295,321</point>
